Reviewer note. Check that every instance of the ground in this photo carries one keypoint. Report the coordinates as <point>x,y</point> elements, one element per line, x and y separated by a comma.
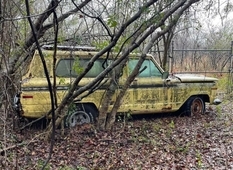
<point>154,142</point>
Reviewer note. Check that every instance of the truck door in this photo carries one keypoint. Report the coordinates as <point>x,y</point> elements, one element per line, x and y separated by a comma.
<point>151,94</point>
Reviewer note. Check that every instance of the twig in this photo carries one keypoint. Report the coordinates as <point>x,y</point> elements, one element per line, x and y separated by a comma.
<point>3,151</point>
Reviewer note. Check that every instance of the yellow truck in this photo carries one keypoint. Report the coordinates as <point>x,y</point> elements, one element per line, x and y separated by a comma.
<point>152,91</point>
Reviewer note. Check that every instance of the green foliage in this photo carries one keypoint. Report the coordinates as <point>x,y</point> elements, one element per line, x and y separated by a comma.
<point>158,17</point>
<point>199,159</point>
<point>222,82</point>
<point>71,109</point>
<point>60,38</point>
<point>66,168</point>
<point>122,41</point>
<point>81,168</point>
<point>184,149</point>
<point>112,22</point>
<point>146,10</point>
<point>61,80</point>
<point>126,117</point>
<point>143,139</point>
<point>172,124</point>
<point>225,84</point>
<point>101,45</point>
<point>69,168</point>
<point>157,127</point>
<point>218,109</point>
<point>77,66</point>
<point>40,165</point>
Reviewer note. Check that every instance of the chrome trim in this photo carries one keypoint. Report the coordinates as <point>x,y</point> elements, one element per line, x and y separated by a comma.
<point>43,88</point>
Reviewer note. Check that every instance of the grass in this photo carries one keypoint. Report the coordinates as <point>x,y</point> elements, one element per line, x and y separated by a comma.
<point>223,83</point>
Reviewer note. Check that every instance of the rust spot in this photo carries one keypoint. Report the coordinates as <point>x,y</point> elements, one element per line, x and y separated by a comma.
<point>167,108</point>
<point>214,88</point>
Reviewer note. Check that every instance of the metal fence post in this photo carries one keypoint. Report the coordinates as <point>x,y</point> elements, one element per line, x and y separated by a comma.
<point>230,78</point>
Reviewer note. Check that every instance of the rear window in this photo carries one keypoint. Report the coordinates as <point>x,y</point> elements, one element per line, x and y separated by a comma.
<point>72,67</point>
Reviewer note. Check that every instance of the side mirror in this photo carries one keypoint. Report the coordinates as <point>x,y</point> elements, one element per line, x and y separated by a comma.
<point>165,75</point>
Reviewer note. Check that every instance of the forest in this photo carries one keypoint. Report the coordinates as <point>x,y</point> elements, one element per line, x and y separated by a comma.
<point>182,36</point>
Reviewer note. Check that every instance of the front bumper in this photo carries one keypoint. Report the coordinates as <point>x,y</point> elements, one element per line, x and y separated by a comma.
<point>17,100</point>
<point>17,104</point>
<point>217,101</point>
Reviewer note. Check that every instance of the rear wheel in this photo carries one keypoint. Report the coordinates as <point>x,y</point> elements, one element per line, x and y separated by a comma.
<point>194,106</point>
<point>92,111</point>
<point>81,114</point>
<point>78,118</point>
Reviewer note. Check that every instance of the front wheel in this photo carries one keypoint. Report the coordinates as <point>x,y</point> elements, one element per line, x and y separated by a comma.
<point>194,106</point>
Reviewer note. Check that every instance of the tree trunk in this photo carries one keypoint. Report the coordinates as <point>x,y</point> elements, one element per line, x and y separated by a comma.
<point>103,111</point>
<point>8,36</point>
<point>112,115</point>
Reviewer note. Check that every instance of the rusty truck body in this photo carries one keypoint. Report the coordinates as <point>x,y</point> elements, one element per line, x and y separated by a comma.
<point>150,92</point>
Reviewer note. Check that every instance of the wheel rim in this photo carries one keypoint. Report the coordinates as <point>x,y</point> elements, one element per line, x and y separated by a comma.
<point>197,107</point>
<point>78,118</point>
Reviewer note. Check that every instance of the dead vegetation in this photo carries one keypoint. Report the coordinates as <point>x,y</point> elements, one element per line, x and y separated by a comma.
<point>171,142</point>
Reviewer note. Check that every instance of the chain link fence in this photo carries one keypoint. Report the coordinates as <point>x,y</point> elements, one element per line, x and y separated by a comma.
<point>210,62</point>
<point>214,63</point>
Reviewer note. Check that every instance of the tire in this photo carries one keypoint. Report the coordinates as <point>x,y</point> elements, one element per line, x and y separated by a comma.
<point>90,110</point>
<point>78,118</point>
<point>83,113</point>
<point>194,106</point>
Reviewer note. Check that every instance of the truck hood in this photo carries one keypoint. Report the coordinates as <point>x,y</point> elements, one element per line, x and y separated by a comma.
<point>194,78</point>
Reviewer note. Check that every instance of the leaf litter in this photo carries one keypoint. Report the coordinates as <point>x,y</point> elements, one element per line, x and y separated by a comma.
<point>167,142</point>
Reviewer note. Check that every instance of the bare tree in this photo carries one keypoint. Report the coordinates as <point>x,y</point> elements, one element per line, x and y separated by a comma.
<point>203,29</point>
<point>119,26</point>
<point>132,31</point>
<point>135,39</point>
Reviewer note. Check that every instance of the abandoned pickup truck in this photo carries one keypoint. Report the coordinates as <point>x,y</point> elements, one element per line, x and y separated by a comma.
<point>152,91</point>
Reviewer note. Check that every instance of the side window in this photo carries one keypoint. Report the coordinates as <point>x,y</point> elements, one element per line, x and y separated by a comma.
<point>71,68</point>
<point>63,68</point>
<point>150,71</point>
<point>154,70</point>
<point>95,70</point>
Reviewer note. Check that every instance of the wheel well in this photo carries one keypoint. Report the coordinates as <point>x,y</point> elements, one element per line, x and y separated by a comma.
<point>92,105</point>
<point>204,97</point>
